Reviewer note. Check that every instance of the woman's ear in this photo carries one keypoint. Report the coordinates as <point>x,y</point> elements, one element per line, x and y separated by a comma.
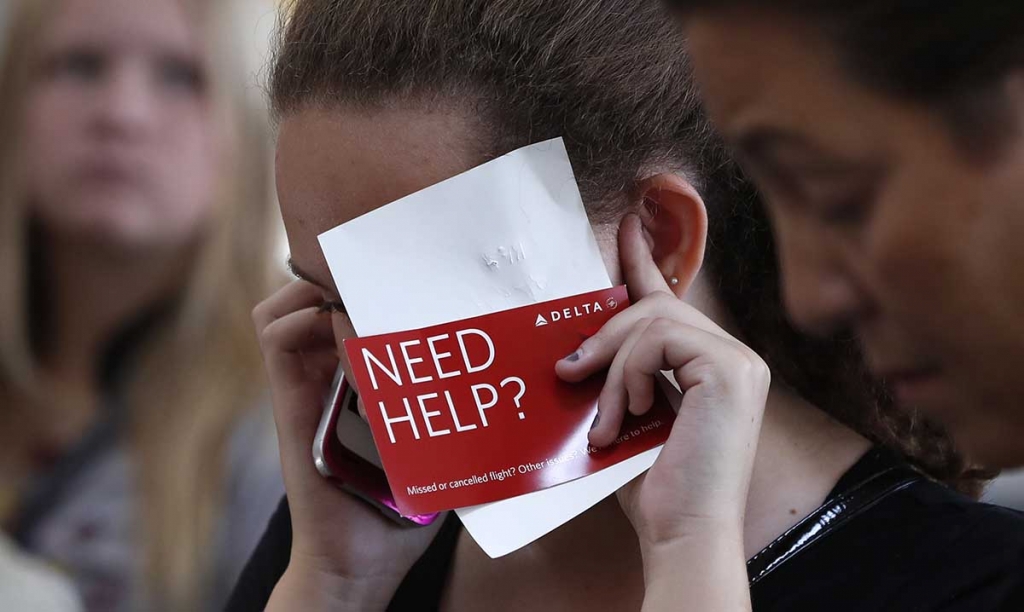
<point>676,220</point>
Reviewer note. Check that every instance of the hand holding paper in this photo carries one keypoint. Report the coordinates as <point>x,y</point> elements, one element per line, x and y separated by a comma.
<point>470,412</point>
<point>694,494</point>
<point>688,509</point>
<point>507,234</point>
<point>704,470</point>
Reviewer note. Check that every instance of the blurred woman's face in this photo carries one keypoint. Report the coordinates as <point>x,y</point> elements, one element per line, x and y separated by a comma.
<point>119,146</point>
<point>885,226</point>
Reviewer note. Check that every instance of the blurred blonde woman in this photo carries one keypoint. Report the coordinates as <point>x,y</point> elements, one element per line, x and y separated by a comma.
<point>135,232</point>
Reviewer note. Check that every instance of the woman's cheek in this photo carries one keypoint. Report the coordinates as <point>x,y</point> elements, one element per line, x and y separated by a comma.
<point>913,256</point>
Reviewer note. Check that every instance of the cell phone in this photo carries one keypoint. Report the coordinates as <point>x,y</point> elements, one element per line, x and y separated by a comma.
<point>344,453</point>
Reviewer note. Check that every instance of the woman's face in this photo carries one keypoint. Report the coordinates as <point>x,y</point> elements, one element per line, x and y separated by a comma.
<point>333,166</point>
<point>119,146</point>
<point>884,226</point>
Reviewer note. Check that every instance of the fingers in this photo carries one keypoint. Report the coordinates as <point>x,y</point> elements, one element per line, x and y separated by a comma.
<point>614,400</point>
<point>304,330</point>
<point>721,368</point>
<point>321,366</point>
<point>629,345</point>
<point>294,296</point>
<point>285,340</point>
<point>693,355</point>
<point>300,357</point>
<point>641,273</point>
<point>298,346</point>
<point>596,353</point>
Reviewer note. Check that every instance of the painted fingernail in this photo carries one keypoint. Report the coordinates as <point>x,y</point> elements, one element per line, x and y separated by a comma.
<point>574,357</point>
<point>597,419</point>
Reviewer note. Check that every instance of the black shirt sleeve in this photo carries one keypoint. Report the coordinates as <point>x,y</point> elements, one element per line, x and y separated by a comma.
<point>266,566</point>
<point>421,590</point>
<point>924,549</point>
<point>423,587</point>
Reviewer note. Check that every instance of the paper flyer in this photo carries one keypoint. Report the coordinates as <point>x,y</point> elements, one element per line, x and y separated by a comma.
<point>471,412</point>
<point>507,234</point>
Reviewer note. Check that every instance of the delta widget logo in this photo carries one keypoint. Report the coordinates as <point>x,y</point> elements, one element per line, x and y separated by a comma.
<point>575,312</point>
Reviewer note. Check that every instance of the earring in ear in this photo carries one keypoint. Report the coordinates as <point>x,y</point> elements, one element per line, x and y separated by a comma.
<point>673,281</point>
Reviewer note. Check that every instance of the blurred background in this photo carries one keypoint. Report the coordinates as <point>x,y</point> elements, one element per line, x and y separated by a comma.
<point>138,229</point>
<point>138,464</point>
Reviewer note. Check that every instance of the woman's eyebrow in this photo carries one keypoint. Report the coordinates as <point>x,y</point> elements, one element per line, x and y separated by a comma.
<point>306,276</point>
<point>328,305</point>
<point>769,146</point>
<point>763,143</point>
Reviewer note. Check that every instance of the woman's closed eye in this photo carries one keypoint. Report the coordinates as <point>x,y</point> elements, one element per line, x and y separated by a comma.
<point>330,303</point>
<point>842,202</point>
<point>78,64</point>
<point>837,196</point>
<point>333,307</point>
<point>180,74</point>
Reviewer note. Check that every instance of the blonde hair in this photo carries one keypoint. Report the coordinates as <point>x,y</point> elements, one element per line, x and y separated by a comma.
<point>199,369</point>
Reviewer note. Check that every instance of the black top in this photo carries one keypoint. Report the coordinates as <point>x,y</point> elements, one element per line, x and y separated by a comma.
<point>922,547</point>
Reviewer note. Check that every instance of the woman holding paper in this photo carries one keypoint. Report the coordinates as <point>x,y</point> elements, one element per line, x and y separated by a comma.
<point>136,224</point>
<point>378,102</point>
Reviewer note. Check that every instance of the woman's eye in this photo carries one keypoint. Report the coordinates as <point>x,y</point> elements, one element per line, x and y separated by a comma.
<point>843,204</point>
<point>180,75</point>
<point>847,212</point>
<point>333,307</point>
<point>79,65</point>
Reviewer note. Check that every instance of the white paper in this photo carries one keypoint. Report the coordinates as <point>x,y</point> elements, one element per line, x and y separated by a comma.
<point>529,517</point>
<point>509,233</point>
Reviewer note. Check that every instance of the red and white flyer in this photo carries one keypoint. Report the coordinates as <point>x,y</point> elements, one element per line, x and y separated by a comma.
<point>487,250</point>
<point>471,412</point>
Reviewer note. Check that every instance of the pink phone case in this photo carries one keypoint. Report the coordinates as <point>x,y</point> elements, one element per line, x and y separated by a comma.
<point>340,464</point>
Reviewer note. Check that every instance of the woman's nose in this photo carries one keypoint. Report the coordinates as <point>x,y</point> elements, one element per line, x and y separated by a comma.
<point>822,295</point>
<point>126,105</point>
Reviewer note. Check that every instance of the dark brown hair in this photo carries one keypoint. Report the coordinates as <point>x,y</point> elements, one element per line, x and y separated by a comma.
<point>953,55</point>
<point>611,78</point>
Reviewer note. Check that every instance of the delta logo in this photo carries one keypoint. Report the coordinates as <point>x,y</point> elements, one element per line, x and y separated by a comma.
<point>575,312</point>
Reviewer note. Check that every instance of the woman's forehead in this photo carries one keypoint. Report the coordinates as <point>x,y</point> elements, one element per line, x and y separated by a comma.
<point>124,25</point>
<point>334,165</point>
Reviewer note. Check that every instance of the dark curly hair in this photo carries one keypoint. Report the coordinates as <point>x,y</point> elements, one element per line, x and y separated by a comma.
<point>952,55</point>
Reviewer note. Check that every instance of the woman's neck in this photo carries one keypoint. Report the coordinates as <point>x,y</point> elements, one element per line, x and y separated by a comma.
<point>92,293</point>
<point>594,560</point>
<point>801,455</point>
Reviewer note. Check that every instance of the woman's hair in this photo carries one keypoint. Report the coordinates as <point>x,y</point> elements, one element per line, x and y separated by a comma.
<point>196,368</point>
<point>611,78</point>
<point>950,54</point>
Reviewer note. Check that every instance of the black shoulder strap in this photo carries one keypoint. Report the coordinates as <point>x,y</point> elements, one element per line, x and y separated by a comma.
<point>830,516</point>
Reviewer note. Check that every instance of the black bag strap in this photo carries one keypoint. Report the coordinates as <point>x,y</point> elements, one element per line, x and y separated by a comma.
<point>830,516</point>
